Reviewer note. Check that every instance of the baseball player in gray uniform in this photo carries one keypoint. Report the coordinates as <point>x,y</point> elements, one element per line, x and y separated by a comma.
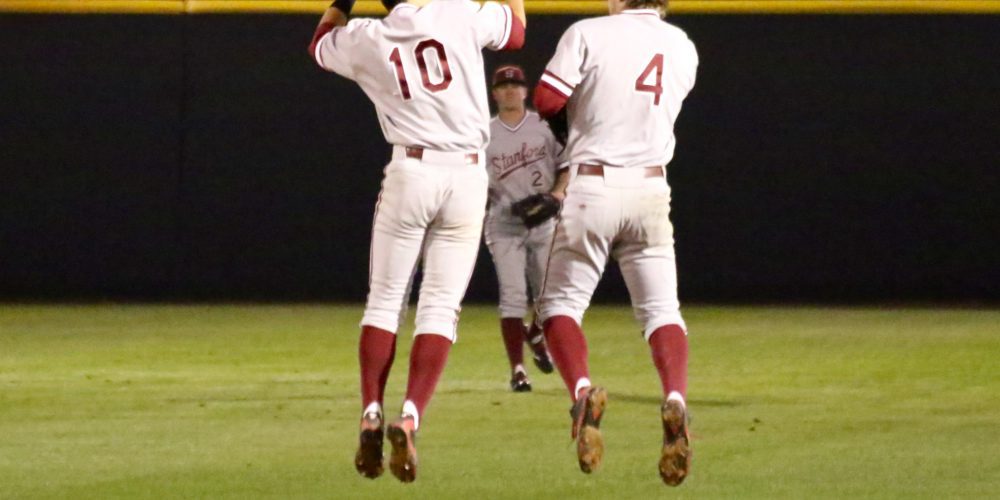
<point>522,160</point>
<point>422,68</point>
<point>621,80</point>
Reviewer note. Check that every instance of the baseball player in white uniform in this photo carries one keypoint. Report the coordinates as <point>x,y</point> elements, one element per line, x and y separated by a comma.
<point>522,159</point>
<point>621,80</point>
<point>422,68</point>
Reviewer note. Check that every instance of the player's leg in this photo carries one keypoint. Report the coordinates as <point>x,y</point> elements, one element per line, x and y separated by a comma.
<point>652,284</point>
<point>647,262</point>
<point>538,246</point>
<point>428,357</point>
<point>579,253</point>
<point>509,258</point>
<point>450,252</point>
<point>651,277</point>
<point>377,350</point>
<point>395,249</point>
<point>401,216</point>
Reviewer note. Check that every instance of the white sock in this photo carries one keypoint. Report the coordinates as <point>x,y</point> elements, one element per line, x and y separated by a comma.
<point>676,396</point>
<point>411,409</point>
<point>373,407</point>
<point>581,383</point>
<point>520,368</point>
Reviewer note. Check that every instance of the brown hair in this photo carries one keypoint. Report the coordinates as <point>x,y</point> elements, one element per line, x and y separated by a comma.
<point>660,5</point>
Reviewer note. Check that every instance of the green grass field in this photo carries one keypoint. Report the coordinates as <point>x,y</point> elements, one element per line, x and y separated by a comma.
<point>261,401</point>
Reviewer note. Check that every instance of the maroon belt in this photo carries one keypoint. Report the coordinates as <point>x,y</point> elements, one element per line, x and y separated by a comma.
<point>418,153</point>
<point>585,169</point>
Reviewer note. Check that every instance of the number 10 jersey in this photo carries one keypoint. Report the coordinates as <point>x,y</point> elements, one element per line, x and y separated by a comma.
<point>423,69</point>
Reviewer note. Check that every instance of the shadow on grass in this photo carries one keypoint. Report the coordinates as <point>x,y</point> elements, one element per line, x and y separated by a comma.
<point>643,399</point>
<point>237,399</point>
<point>649,399</point>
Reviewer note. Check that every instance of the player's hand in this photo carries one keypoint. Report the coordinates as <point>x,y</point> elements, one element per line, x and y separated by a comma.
<point>536,209</point>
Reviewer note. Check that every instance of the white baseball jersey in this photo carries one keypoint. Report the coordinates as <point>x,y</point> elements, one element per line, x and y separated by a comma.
<point>626,117</point>
<point>626,76</point>
<point>423,69</point>
<point>522,161</point>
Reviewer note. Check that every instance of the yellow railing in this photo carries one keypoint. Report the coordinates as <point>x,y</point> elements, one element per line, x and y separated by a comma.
<point>374,7</point>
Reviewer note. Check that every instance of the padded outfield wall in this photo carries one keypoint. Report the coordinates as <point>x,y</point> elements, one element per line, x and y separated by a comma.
<point>822,157</point>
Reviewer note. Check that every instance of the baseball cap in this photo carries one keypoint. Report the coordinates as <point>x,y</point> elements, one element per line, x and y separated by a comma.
<point>509,73</point>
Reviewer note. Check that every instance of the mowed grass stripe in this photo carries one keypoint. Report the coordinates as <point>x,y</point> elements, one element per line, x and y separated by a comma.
<point>116,401</point>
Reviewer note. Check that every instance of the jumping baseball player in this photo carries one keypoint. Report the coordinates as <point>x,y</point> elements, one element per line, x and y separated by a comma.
<point>620,80</point>
<point>422,67</point>
<point>522,160</point>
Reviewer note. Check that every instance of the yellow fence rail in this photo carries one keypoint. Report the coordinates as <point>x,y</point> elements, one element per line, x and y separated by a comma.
<point>374,7</point>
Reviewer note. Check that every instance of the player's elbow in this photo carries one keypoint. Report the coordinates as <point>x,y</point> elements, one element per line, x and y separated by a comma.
<point>312,52</point>
<point>548,102</point>
<point>517,34</point>
<point>321,31</point>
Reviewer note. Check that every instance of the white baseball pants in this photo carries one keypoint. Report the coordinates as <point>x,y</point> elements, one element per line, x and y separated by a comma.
<point>625,215</point>
<point>432,207</point>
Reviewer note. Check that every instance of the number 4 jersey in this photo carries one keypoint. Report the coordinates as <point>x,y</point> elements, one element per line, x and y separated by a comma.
<point>423,68</point>
<point>626,76</point>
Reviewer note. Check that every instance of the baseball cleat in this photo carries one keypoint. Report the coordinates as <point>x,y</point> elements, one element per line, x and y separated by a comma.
<point>586,414</point>
<point>368,459</point>
<point>403,459</point>
<point>543,362</point>
<point>540,354</point>
<point>675,457</point>
<point>520,383</point>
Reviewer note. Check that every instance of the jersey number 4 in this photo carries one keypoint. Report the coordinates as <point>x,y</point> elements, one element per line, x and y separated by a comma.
<point>419,53</point>
<point>656,63</point>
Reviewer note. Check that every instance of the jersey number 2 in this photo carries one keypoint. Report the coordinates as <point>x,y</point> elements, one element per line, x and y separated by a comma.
<point>536,179</point>
<point>418,54</point>
<point>656,63</point>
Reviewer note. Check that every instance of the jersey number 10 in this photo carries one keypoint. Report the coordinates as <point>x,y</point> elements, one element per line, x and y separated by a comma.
<point>657,88</point>
<point>418,54</point>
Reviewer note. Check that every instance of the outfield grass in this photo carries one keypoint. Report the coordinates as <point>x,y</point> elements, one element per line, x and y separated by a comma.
<point>261,401</point>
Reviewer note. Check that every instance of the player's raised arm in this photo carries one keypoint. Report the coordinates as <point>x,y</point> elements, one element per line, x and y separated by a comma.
<point>517,7</point>
<point>335,16</point>
<point>500,26</point>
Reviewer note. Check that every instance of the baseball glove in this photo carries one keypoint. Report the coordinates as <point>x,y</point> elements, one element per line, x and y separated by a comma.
<point>536,209</point>
<point>559,125</point>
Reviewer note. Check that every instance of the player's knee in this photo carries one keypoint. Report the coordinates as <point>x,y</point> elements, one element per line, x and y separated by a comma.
<point>547,312</point>
<point>508,310</point>
<point>438,321</point>
<point>434,330</point>
<point>653,323</point>
<point>383,320</point>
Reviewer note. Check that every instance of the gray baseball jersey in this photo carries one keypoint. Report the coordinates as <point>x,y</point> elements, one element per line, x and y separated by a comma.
<point>522,161</point>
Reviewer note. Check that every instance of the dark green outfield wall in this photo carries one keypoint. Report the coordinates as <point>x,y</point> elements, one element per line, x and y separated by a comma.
<point>186,157</point>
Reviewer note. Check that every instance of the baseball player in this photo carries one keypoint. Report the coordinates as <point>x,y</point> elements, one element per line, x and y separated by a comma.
<point>620,80</point>
<point>422,68</point>
<point>522,160</point>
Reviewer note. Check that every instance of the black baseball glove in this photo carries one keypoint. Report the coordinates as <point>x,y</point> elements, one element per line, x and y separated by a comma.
<point>559,125</point>
<point>536,209</point>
